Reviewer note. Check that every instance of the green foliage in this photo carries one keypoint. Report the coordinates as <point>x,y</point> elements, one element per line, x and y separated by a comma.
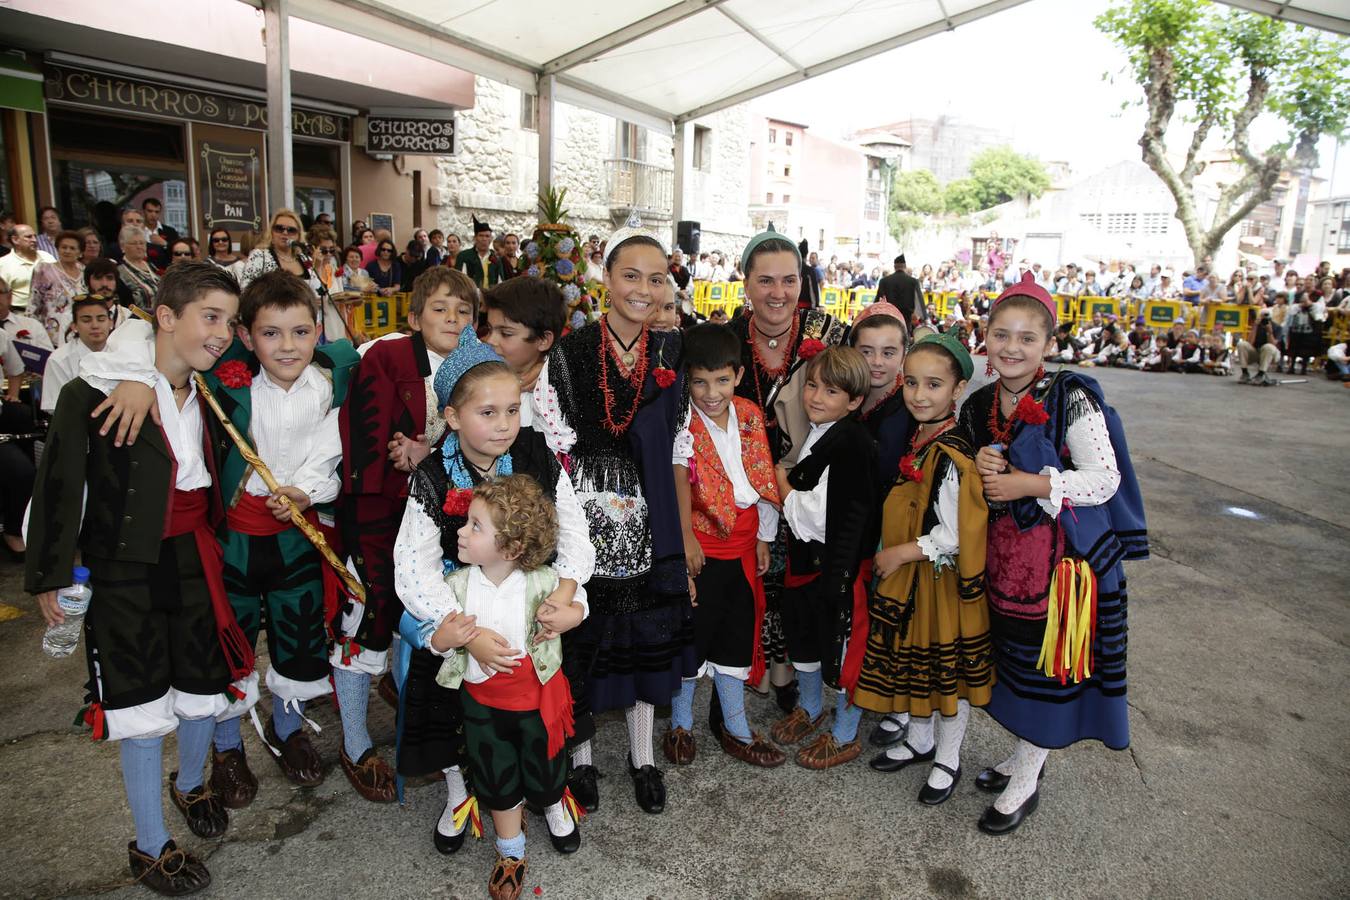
<point>916,191</point>
<point>1000,174</point>
<point>962,196</point>
<point>552,209</point>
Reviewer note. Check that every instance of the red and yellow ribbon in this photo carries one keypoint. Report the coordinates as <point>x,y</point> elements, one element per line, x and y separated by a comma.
<point>1070,622</point>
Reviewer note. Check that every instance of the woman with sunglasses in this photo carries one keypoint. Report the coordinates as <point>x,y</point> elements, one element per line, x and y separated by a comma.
<point>386,270</point>
<point>276,250</point>
<point>327,279</point>
<point>181,250</point>
<point>218,249</point>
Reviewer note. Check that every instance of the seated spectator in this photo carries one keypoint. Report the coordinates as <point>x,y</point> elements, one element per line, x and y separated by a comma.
<point>1216,355</point>
<point>1259,350</point>
<point>138,277</point>
<point>16,325</point>
<point>1165,290</point>
<point>220,249</point>
<point>16,461</point>
<point>386,271</point>
<point>1065,348</point>
<point>91,245</point>
<point>181,250</point>
<point>18,267</point>
<point>413,262</point>
<point>55,285</point>
<point>1189,356</point>
<point>49,226</point>
<point>1338,365</point>
<point>91,327</point>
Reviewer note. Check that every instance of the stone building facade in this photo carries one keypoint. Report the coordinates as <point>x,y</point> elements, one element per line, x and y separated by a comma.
<point>607,167</point>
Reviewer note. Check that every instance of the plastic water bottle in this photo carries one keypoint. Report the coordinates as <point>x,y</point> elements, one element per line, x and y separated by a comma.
<point>60,640</point>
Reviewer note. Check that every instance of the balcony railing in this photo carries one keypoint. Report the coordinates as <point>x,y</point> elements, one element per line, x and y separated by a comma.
<point>640,186</point>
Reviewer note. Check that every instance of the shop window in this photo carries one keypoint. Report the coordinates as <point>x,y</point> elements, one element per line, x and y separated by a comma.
<point>103,164</point>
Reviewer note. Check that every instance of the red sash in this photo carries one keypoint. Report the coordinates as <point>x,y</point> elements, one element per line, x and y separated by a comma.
<point>187,513</point>
<point>520,691</point>
<point>851,666</point>
<point>251,516</point>
<point>740,544</point>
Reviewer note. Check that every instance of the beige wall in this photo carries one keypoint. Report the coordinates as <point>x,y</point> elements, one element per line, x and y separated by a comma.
<point>387,187</point>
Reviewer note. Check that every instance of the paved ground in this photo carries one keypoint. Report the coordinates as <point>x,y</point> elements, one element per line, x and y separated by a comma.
<point>1235,786</point>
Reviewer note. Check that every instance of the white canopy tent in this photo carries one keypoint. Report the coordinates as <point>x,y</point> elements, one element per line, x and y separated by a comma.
<point>658,63</point>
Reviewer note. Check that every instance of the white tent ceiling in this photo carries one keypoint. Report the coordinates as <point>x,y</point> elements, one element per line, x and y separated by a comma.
<point>658,62</point>
<point>1329,15</point>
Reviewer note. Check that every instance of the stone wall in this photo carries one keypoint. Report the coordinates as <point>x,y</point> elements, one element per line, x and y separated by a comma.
<point>495,174</point>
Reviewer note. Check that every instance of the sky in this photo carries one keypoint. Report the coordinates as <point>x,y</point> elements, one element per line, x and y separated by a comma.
<point>1034,71</point>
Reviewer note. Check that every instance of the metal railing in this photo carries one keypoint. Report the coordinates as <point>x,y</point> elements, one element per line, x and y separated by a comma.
<point>639,185</point>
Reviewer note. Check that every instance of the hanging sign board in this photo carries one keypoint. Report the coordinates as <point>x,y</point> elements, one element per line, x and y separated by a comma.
<point>409,134</point>
<point>230,182</point>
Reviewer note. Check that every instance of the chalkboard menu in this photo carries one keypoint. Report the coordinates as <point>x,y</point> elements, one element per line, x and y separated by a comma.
<point>230,185</point>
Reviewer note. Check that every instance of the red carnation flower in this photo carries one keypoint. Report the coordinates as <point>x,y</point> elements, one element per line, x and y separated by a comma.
<point>810,348</point>
<point>23,333</point>
<point>907,469</point>
<point>234,374</point>
<point>664,377</point>
<point>1031,412</point>
<point>457,501</point>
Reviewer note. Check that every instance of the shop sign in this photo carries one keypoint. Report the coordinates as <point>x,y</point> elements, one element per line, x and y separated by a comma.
<point>230,181</point>
<point>410,135</point>
<point>123,94</point>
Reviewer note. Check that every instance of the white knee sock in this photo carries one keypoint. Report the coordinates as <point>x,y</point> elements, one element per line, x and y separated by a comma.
<point>456,793</point>
<point>951,731</point>
<point>559,820</point>
<point>920,738</point>
<point>1025,771</point>
<point>639,717</point>
<point>581,754</point>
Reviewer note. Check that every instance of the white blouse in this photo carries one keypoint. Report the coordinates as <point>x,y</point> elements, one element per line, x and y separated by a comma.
<point>1095,476</point>
<point>419,577</point>
<point>805,510</point>
<point>942,540</point>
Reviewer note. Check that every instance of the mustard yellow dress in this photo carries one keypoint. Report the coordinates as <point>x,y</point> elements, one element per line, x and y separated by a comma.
<point>928,641</point>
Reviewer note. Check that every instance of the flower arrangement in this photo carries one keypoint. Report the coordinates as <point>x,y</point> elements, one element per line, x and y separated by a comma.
<point>554,253</point>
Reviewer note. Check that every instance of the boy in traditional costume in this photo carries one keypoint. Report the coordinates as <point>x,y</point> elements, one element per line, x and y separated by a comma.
<point>830,503</point>
<point>516,720</point>
<point>728,510</point>
<point>162,642</point>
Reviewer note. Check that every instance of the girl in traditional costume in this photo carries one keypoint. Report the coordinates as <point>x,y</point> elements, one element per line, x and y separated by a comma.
<point>1065,512</point>
<point>604,402</point>
<point>479,397</point>
<point>928,643</point>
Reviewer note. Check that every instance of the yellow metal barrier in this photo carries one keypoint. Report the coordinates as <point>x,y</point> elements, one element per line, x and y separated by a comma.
<point>1091,306</point>
<point>1233,318</point>
<point>1162,313</point>
<point>383,315</point>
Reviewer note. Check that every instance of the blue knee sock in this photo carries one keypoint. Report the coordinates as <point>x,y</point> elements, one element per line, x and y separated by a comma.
<point>682,706</point>
<point>846,719</point>
<point>142,764</point>
<point>353,693</point>
<point>512,847</point>
<point>731,691</point>
<point>194,739</point>
<point>286,717</point>
<point>809,685</point>
<point>228,736</point>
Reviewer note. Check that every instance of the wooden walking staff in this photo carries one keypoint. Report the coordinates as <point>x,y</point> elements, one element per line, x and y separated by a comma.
<point>251,457</point>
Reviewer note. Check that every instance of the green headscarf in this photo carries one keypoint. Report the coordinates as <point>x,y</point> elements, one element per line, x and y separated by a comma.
<point>947,341</point>
<point>768,235</point>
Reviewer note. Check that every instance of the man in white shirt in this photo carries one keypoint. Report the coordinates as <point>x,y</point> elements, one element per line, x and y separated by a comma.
<point>92,327</point>
<point>16,268</point>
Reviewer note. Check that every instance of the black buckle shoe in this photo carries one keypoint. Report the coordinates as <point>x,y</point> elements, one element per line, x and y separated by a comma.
<point>649,786</point>
<point>582,782</point>
<point>885,737</point>
<point>993,781</point>
<point>447,844</point>
<point>995,822</point>
<point>206,816</point>
<point>931,796</point>
<point>884,763</point>
<point>173,873</point>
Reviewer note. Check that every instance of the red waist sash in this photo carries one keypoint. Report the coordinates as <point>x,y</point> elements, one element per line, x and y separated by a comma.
<point>740,544</point>
<point>251,516</point>
<point>520,691</point>
<point>187,514</point>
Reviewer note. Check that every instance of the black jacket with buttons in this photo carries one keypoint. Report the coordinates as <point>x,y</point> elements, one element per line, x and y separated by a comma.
<point>130,491</point>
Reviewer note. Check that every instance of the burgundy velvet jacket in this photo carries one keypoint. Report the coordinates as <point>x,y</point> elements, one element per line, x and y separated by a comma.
<point>388,395</point>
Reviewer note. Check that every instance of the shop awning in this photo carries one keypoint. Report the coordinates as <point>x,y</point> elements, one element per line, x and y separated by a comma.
<point>20,85</point>
<point>656,62</point>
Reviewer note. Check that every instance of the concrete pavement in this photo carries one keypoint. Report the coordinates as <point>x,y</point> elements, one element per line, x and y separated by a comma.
<point>1235,785</point>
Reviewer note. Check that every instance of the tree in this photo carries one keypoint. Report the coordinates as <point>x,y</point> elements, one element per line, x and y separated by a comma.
<point>1224,70</point>
<point>1000,173</point>
<point>915,195</point>
<point>962,197</point>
